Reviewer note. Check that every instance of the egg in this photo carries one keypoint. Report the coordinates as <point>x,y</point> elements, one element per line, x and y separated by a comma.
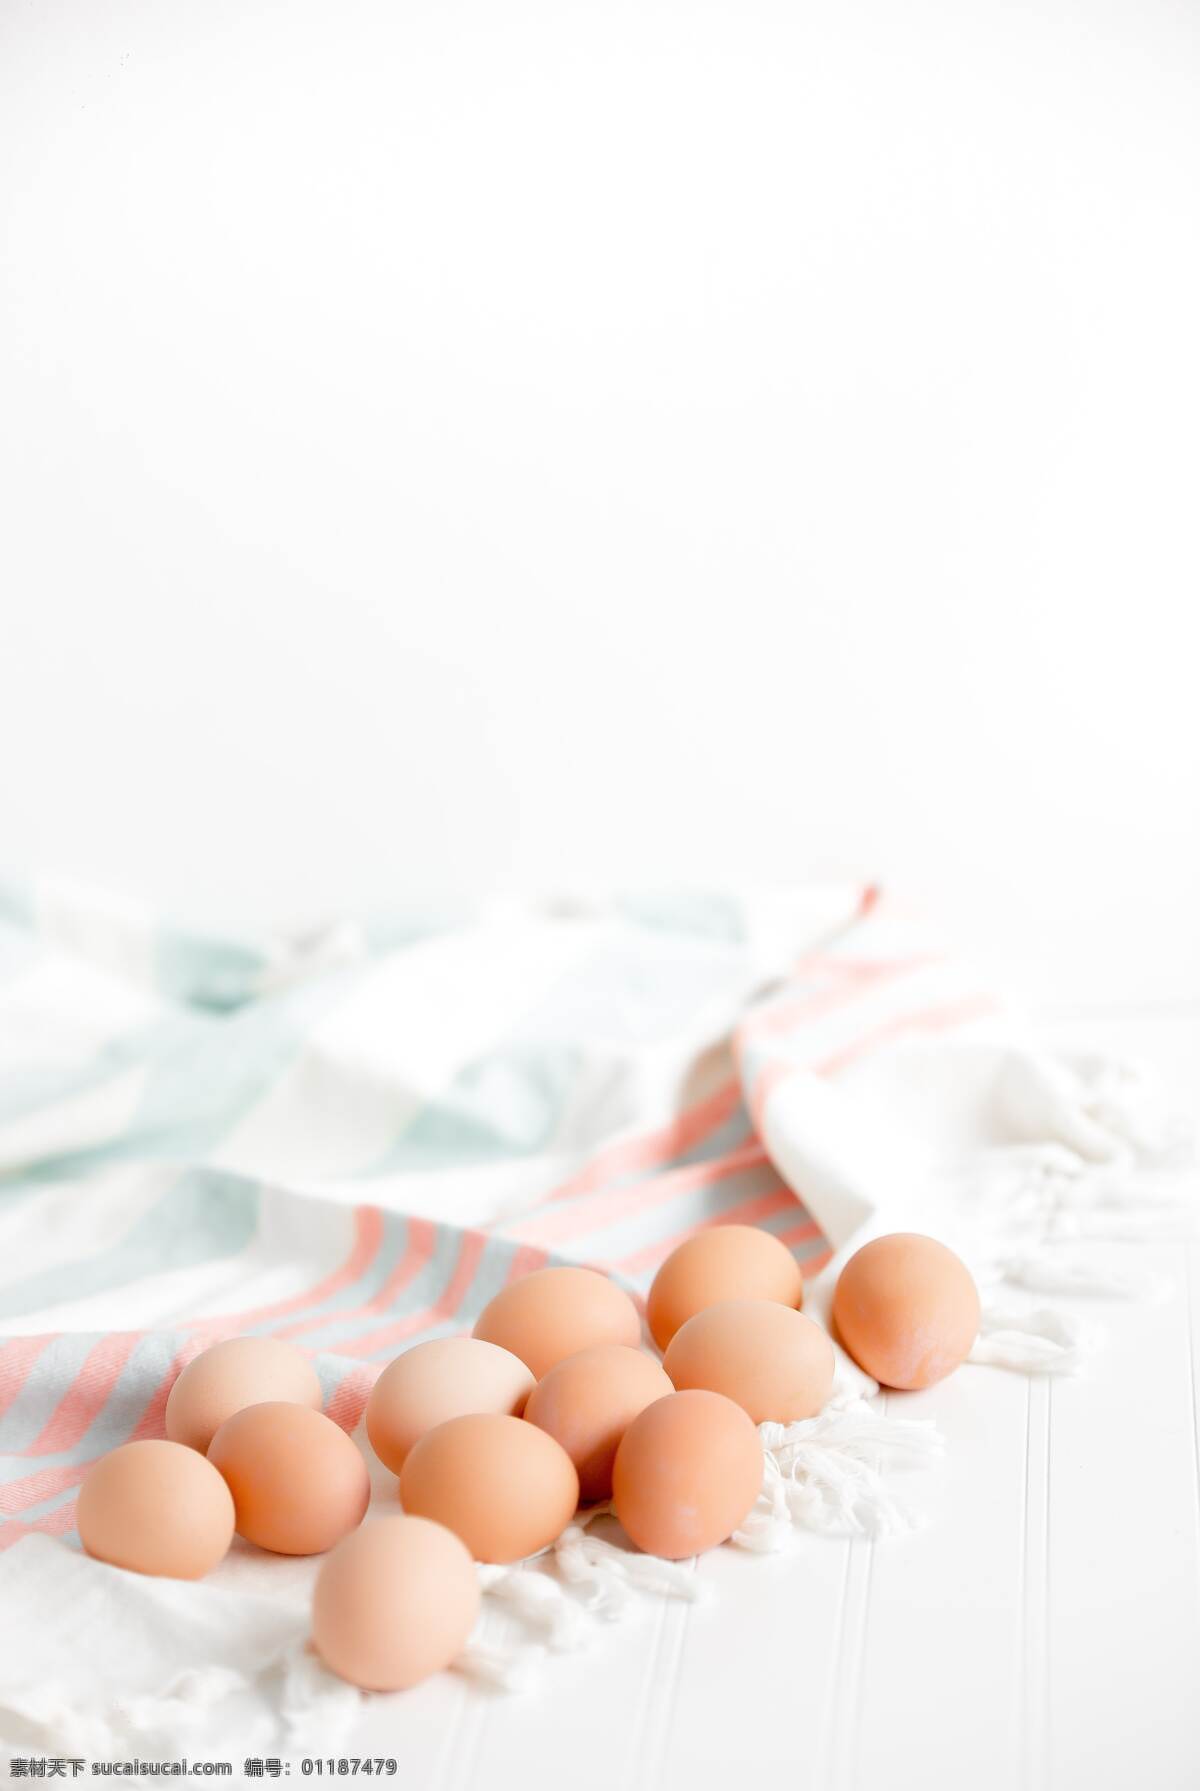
<point>905,1307</point>
<point>725,1262</point>
<point>502,1485</point>
<point>773,1361</point>
<point>239,1372</point>
<point>156,1507</point>
<point>688,1471</point>
<point>298,1482</point>
<point>553,1313</point>
<point>445,1378</point>
<point>394,1602</point>
<point>588,1401</point>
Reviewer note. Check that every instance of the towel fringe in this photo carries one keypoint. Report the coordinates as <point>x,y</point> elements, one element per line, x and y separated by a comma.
<point>1064,1271</point>
<point>608,1576</point>
<point>505,1667</point>
<point>1106,1169</point>
<point>1041,1342</point>
<point>538,1602</point>
<point>827,1474</point>
<point>603,1581</point>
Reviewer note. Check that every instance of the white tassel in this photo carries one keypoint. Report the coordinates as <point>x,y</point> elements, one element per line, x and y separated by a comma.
<point>548,1618</point>
<point>1036,1201</point>
<point>609,1576</point>
<point>1041,1342</point>
<point>505,1667</point>
<point>544,1619</point>
<point>313,1702</point>
<point>1104,1108</point>
<point>1059,1271</point>
<point>827,1474</point>
<point>1046,1192</point>
<point>538,1602</point>
<point>1125,1098</point>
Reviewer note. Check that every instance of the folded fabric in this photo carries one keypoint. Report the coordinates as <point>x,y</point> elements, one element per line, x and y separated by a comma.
<point>354,1138</point>
<point>118,1663</point>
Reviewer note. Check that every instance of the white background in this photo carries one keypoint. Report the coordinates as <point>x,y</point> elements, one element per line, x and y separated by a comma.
<point>463,445</point>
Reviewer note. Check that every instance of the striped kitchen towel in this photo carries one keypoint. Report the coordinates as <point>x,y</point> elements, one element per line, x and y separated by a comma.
<point>349,1140</point>
<point>352,1139</point>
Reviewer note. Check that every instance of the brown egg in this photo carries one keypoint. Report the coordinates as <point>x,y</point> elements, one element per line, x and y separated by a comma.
<point>905,1307</point>
<point>587,1403</point>
<point>241,1371</point>
<point>156,1507</point>
<point>446,1378</point>
<point>688,1470</point>
<point>552,1313</point>
<point>503,1485</point>
<point>776,1364</point>
<point>298,1482</point>
<point>726,1262</point>
<point>394,1602</point>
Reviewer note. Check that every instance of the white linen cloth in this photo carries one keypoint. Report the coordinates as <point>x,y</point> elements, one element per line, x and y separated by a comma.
<point>354,1138</point>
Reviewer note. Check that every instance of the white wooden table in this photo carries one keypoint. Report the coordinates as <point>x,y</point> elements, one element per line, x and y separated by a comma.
<point>1042,1632</point>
